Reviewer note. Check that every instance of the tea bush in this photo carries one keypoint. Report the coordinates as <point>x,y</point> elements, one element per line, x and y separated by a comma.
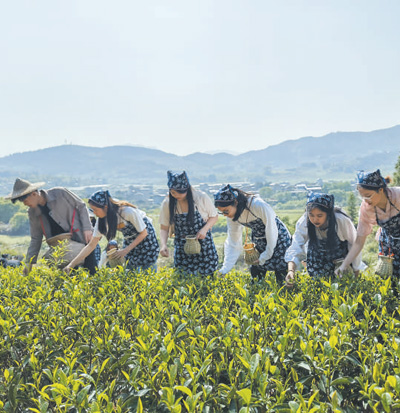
<point>168,342</point>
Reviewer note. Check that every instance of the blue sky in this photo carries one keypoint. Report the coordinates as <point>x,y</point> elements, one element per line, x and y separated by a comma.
<point>187,76</point>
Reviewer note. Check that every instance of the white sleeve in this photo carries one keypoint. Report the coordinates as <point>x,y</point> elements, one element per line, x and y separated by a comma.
<point>134,216</point>
<point>164,213</point>
<point>232,246</point>
<point>298,249</point>
<point>347,232</point>
<point>205,205</point>
<point>103,259</point>
<point>96,232</point>
<point>262,210</point>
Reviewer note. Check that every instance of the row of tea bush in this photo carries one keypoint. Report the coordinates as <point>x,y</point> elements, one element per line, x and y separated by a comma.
<point>168,342</point>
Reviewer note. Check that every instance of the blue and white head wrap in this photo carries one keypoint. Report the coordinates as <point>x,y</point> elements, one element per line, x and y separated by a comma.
<point>325,200</point>
<point>100,198</point>
<point>225,195</point>
<point>374,179</point>
<point>178,181</point>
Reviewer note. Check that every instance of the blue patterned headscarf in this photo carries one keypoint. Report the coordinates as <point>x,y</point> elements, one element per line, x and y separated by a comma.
<point>100,198</point>
<point>178,181</point>
<point>374,179</point>
<point>225,195</point>
<point>325,200</point>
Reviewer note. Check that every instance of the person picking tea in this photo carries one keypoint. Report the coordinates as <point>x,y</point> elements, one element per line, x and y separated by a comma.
<point>53,212</point>
<point>188,212</point>
<point>140,246</point>
<point>268,232</point>
<point>380,206</point>
<point>324,235</point>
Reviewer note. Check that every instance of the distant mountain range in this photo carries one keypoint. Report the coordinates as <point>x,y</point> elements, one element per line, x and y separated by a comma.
<point>334,156</point>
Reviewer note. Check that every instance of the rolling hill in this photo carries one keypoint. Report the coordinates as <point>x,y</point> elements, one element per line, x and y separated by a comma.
<point>334,156</point>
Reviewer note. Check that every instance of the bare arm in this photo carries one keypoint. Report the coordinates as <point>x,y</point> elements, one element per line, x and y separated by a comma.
<point>87,249</point>
<point>122,253</point>
<point>163,240</point>
<point>209,224</point>
<point>352,254</point>
<point>290,274</point>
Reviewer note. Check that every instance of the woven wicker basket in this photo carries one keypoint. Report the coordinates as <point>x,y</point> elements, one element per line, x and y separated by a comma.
<point>384,266</point>
<point>113,261</point>
<point>251,255</point>
<point>192,245</point>
<point>71,249</point>
<point>53,241</point>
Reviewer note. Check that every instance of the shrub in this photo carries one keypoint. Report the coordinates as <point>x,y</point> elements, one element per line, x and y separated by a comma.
<point>166,341</point>
<point>19,224</point>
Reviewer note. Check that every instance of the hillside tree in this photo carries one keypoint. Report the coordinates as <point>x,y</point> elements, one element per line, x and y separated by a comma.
<point>396,175</point>
<point>8,209</point>
<point>352,207</point>
<point>19,224</point>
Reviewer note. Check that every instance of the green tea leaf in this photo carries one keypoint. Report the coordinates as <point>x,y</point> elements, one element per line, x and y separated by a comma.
<point>184,389</point>
<point>245,394</point>
<point>139,406</point>
<point>254,362</point>
<point>386,400</point>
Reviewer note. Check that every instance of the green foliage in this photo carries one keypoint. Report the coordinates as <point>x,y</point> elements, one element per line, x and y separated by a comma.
<point>220,225</point>
<point>396,175</point>
<point>291,226</point>
<point>352,208</point>
<point>266,192</point>
<point>14,245</point>
<point>330,186</point>
<point>8,209</point>
<point>136,342</point>
<point>19,224</point>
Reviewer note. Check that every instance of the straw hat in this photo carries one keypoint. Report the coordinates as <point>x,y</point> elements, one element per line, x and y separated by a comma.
<point>23,187</point>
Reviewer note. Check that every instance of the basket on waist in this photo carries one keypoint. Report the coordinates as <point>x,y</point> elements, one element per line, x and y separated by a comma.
<point>384,266</point>
<point>53,241</point>
<point>68,251</point>
<point>251,254</point>
<point>114,261</point>
<point>192,245</point>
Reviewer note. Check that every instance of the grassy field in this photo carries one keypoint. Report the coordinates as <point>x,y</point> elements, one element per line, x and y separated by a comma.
<point>292,214</point>
<point>14,245</point>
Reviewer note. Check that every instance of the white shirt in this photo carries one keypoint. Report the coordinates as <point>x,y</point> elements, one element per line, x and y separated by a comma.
<point>201,200</point>
<point>345,230</point>
<point>125,213</point>
<point>233,245</point>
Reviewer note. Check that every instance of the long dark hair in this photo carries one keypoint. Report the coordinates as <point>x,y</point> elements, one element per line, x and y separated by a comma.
<point>173,206</point>
<point>108,224</point>
<point>241,202</point>
<point>332,224</point>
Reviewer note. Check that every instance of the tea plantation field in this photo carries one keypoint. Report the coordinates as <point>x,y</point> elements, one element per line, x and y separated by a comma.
<point>165,342</point>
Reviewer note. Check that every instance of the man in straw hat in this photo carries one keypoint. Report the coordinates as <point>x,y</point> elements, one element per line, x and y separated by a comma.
<point>53,212</point>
